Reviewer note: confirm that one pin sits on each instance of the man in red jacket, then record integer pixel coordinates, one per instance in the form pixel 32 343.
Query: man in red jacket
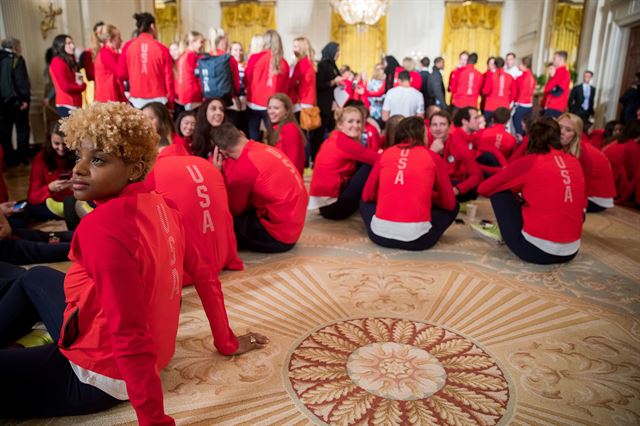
pixel 267 196
pixel 556 91
pixel 525 86
pixel 463 170
pixel 467 83
pixel 498 89
pixel 462 62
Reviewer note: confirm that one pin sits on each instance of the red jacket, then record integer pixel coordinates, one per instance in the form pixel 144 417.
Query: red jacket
pixel 598 175
pixel 262 178
pixel 123 294
pixel 520 150
pixel 260 83
pixel 188 86
pixel 616 153
pixel 41 177
pixel 466 87
pixel 373 137
pixel 499 89
pixel 197 189
pixel 405 181
pixel 553 189
pixel 556 91
pixel 596 138
pixel 68 92
pixel 461 164
pixel 302 86
pixel 414 76
pixel 108 85
pixel 336 163
pixel 498 136
pixel 525 87
pixel 149 68
pixel 291 142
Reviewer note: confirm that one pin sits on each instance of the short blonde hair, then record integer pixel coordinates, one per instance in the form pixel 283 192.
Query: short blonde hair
pixel 115 128
pixel 576 122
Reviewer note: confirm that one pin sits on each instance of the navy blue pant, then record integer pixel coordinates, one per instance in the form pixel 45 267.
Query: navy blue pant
pixel 594 208
pixel 255 117
pixel 552 113
pixel 487 159
pixel 440 220
pixel 518 115
pixel 349 198
pixel 24 252
pixel 508 211
pixel 63 111
pixel 13 116
pixel 251 235
pixel 39 382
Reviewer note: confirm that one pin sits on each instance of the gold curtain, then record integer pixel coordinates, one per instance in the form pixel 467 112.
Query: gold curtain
pixel 167 21
pixel 472 27
pixel 567 22
pixel 242 20
pixel 361 46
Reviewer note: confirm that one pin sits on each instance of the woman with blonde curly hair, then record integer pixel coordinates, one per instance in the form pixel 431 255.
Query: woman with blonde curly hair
pixel 114 317
pixel 598 174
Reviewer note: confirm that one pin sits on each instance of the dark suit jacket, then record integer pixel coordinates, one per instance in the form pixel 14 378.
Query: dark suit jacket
pixel 576 98
pixel 435 89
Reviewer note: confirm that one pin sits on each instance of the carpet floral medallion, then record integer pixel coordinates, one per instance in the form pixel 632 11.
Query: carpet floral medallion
pixel 395 371
pixel 462 334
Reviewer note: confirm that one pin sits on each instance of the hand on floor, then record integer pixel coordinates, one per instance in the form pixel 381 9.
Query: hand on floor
pixel 251 341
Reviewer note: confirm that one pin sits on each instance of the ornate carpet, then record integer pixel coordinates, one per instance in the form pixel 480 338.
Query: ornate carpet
pixel 463 334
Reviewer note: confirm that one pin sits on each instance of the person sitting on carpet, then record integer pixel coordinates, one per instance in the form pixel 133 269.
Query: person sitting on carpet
pixel 267 197
pixel 115 314
pixel 543 225
pixel 408 200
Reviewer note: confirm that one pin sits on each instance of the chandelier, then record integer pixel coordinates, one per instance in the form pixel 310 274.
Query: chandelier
pixel 358 12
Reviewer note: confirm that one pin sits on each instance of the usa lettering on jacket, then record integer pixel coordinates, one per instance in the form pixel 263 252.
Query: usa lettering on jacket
pixel 402 164
pixel 144 58
pixel 203 195
pixel 566 178
pixel 278 154
pixel 171 242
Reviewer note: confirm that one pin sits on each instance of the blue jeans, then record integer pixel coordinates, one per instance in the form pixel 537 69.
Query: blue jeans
pixel 518 115
pixel 255 117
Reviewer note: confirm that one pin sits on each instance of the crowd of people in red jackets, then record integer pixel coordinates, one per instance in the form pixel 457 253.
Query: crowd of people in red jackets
pixel 182 161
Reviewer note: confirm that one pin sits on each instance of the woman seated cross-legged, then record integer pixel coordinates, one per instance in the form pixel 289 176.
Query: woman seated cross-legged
pixel 408 201
pixel 341 168
pixel 538 200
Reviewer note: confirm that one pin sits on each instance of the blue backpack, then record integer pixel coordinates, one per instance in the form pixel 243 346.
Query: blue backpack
pixel 215 75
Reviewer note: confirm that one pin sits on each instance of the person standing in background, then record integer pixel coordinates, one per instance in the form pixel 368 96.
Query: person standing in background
pixel 15 97
pixel 511 67
pixel 64 74
pixel 435 85
pixel 327 78
pixel 424 75
pixel 630 101
pixel 105 65
pixel 466 84
pixel 582 97
pixel 556 91
pixel 148 65
pixel 525 86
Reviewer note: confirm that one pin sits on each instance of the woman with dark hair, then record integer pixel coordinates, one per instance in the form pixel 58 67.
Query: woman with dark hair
pixel 161 119
pixel 390 66
pixel 185 127
pixel 544 224
pixel 408 200
pixel 211 114
pixel 50 178
pixel 65 77
pixel 284 132
pixel 624 156
pixel 327 78
pixel 147 65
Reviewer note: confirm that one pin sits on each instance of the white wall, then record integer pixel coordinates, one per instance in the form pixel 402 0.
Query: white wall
pixel 415 26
